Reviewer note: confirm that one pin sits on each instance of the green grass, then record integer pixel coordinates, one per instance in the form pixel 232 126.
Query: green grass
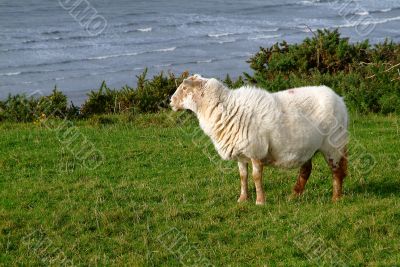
pixel 158 200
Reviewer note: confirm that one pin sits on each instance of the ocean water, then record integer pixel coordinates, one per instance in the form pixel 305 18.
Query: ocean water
pixel 44 43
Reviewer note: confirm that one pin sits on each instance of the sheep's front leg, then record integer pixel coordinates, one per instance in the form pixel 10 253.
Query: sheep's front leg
pixel 243 181
pixel 257 177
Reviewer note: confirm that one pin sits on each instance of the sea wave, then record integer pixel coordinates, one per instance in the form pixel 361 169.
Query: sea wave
pixel 53 32
pixel 227 41
pixel 10 73
pixel 141 13
pixel 113 56
pixel 198 22
pixel 361 13
pixel 205 61
pixel 169 49
pixel 270 30
pixel 135 23
pixel 381 21
pixel 145 29
pixel 217 35
pixel 386 10
pixel 162 65
pixel 262 37
pixel 367 23
pixel 44 48
pixel 308 2
pixel 268 6
pixel 32 72
pixel 31 41
pixel 364 12
pixel 119 25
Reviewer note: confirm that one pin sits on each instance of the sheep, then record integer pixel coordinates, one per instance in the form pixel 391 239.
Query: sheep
pixel 283 129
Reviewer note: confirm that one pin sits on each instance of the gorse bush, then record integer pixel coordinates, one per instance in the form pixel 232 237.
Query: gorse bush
pixel 326 52
pixel 21 108
pixel 368 76
pixel 153 95
pixel 233 84
pixel 17 108
pixel 149 96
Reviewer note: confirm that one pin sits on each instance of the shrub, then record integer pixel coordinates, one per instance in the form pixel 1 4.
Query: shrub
pixel 149 96
pixel 367 76
pixel 18 108
pixel 153 95
pixel 233 84
pixel 21 108
pixel 100 102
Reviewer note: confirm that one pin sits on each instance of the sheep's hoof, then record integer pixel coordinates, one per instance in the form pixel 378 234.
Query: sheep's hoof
pixel 336 198
pixel 294 195
pixel 260 202
pixel 242 198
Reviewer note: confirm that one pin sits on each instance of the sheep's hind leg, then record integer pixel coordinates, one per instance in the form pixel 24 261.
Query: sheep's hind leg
pixel 243 181
pixel 257 177
pixel 302 179
pixel 339 171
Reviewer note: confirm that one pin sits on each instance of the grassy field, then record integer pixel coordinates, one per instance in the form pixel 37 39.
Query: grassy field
pixel 154 193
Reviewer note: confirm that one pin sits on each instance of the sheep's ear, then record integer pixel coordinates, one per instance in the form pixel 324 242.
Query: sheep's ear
pixel 195 82
pixel 194 77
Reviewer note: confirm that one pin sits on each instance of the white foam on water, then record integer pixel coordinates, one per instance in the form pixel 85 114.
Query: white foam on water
pixel 262 37
pixel 169 49
pixel 308 3
pixel 145 29
pixel 217 35
pixel 362 13
pixel 385 10
pixel 366 22
pixel 163 65
pixel 271 30
pixel 113 56
pixel 204 61
pixel 10 73
pixel 381 21
pixel 227 41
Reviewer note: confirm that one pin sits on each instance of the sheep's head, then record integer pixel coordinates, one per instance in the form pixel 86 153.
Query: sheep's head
pixel 189 93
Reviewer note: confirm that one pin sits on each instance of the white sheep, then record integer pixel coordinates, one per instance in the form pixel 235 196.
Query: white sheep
pixel 283 129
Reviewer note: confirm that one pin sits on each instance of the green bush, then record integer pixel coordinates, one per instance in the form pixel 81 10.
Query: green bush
pixel 18 108
pixel 153 95
pixel 21 108
pixel 367 76
pixel 233 84
pixel 148 96
pixel 100 102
